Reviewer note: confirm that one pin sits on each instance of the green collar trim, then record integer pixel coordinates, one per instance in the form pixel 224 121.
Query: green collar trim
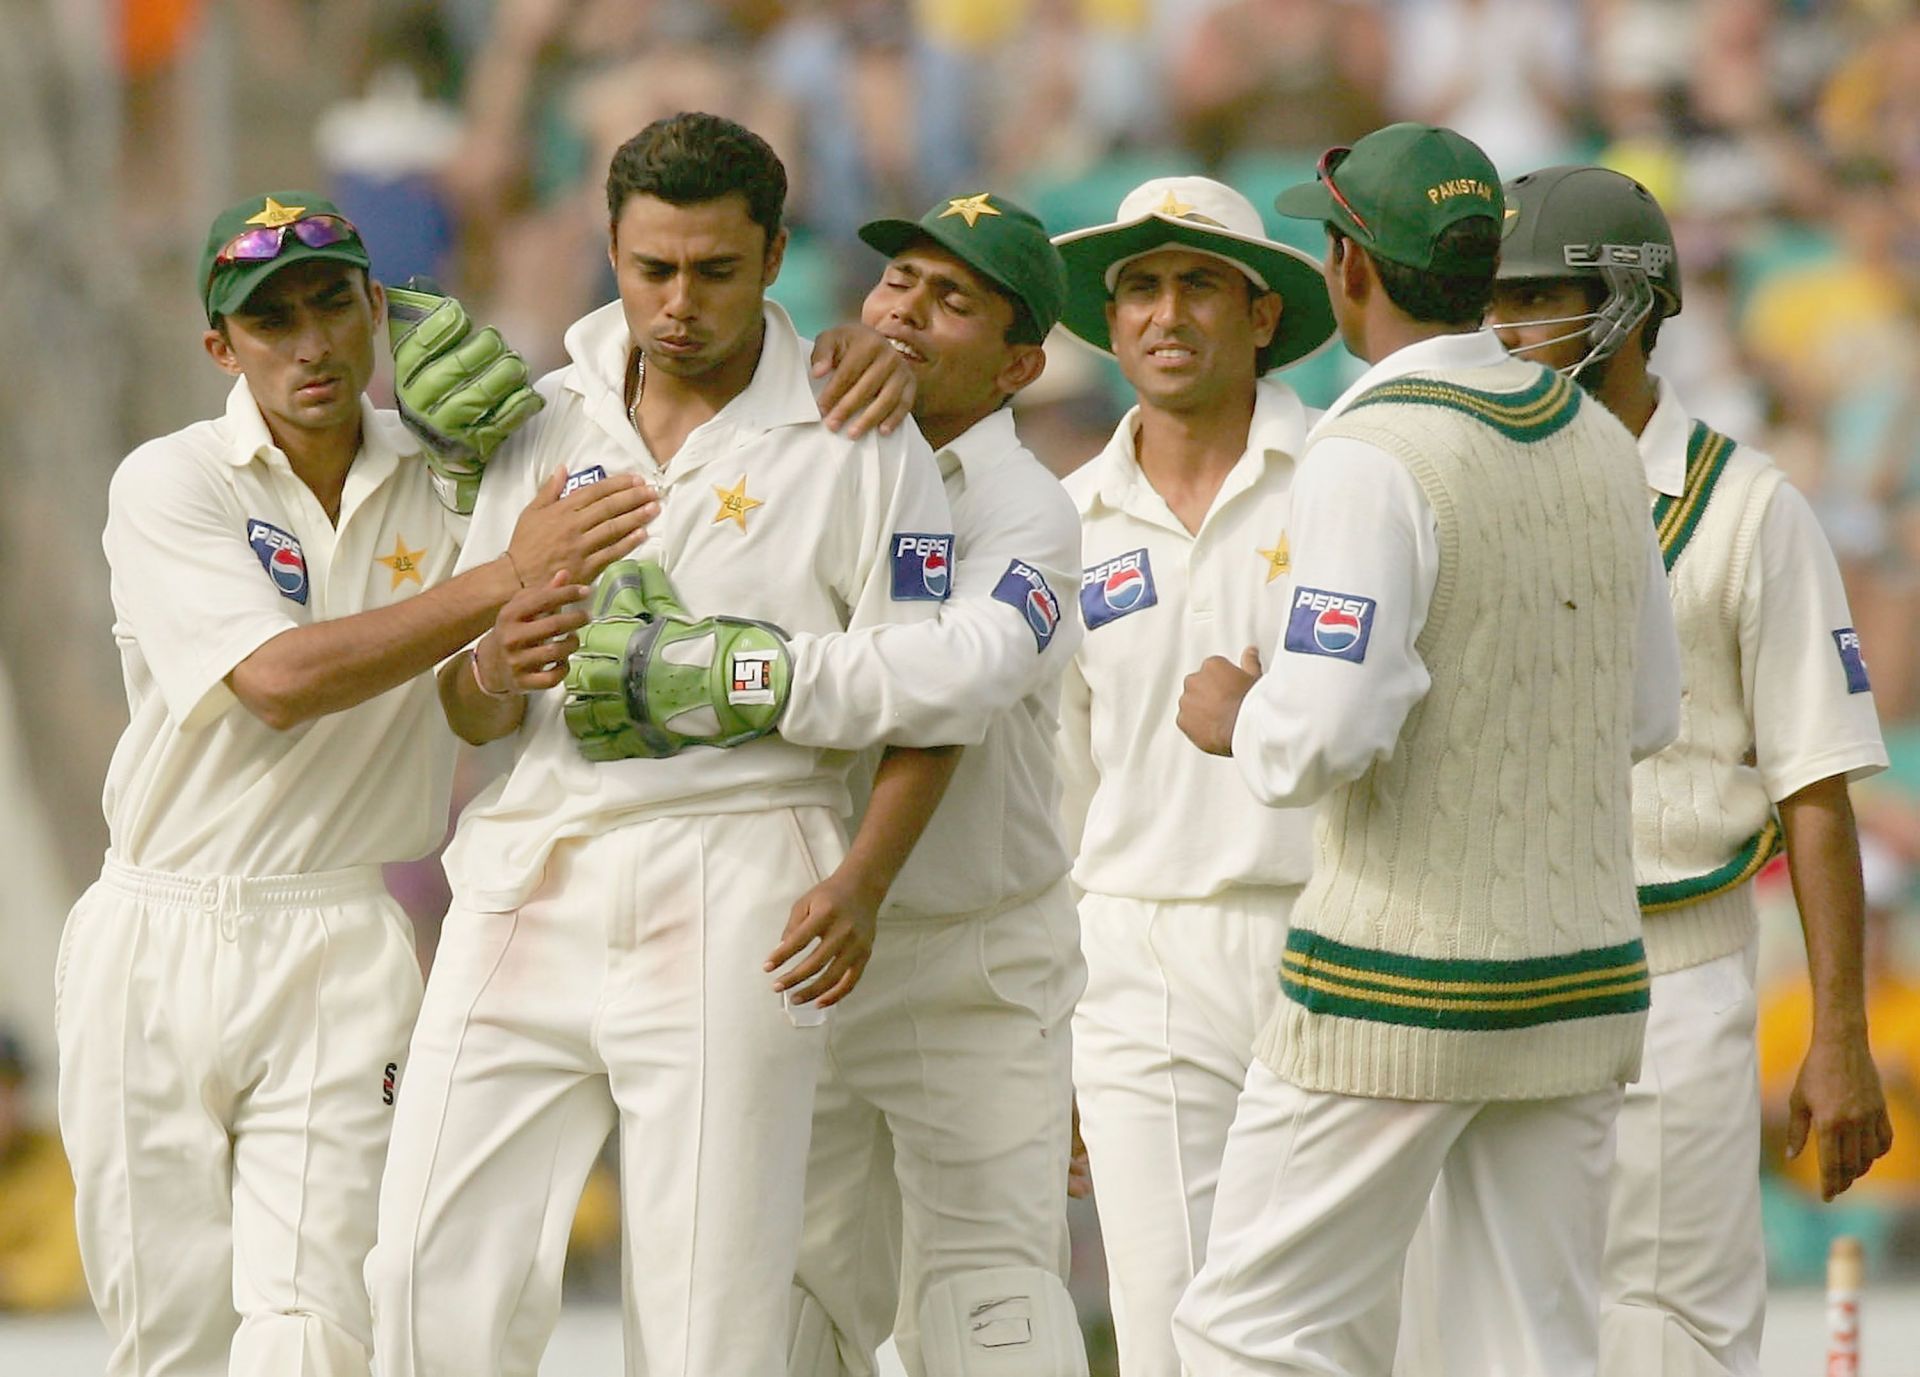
pixel 1533 413
pixel 1675 519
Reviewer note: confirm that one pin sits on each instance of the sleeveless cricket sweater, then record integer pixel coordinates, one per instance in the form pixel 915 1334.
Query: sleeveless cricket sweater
pixel 1702 821
pixel 1470 931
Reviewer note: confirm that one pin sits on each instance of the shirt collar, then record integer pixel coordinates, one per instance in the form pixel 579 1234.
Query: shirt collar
pixel 981 448
pixel 1473 349
pixel 384 439
pixel 780 393
pixel 1663 444
pixel 1277 433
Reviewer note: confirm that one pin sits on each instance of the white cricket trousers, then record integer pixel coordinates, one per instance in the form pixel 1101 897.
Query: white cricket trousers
pixel 628 988
pixel 1319 1198
pixel 1684 1290
pixel 1176 993
pixel 229 1049
pixel 942 1123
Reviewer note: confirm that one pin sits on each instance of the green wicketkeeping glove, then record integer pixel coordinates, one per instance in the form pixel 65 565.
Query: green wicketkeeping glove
pixel 461 391
pixel 650 679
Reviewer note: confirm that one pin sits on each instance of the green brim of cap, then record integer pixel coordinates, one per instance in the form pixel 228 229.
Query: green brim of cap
pixel 233 284
pixel 1309 201
pixel 892 236
pixel 1306 320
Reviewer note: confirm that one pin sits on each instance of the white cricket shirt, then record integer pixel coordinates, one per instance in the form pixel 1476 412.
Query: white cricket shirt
pixel 1811 710
pixel 986 673
pixel 1313 721
pixel 1153 817
pixel 765 513
pixel 215 547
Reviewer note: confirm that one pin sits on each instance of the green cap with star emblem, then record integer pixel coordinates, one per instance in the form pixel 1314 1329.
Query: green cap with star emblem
pixel 1003 242
pixel 1397 190
pixel 253 239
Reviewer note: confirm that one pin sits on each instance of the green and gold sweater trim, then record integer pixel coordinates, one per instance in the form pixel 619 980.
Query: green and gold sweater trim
pixel 1473 995
pixel 1675 519
pixel 1761 848
pixel 1531 414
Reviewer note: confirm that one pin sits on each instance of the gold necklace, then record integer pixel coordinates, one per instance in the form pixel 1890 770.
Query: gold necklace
pixel 639 385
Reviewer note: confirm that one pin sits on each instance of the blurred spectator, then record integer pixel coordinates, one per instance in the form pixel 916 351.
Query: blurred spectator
pixel 1883 1208
pixel 39 1249
pixel 1506 73
pixel 1280 76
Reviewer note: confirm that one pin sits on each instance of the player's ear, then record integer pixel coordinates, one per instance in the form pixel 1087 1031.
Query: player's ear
pixel 219 346
pixel 1025 364
pixel 776 254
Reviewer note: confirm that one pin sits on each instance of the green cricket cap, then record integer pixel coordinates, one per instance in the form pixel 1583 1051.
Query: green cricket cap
pixel 1403 186
pixel 250 228
pixel 1003 242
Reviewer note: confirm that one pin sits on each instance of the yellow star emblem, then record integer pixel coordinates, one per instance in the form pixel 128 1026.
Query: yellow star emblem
pixel 969 208
pixel 734 503
pixel 1511 212
pixel 1174 206
pixel 404 563
pixel 273 214
pixel 1278 560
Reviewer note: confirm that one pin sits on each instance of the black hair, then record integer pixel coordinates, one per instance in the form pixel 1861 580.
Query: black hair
pixel 692 157
pixel 1445 298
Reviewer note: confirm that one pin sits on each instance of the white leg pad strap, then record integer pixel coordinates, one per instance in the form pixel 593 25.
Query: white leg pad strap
pixel 1001 1322
pixel 813 1347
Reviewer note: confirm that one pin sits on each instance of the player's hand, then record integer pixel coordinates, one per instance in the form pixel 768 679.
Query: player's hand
pixel 461 391
pixel 1210 702
pixel 870 385
pixel 1837 1101
pixel 582 532
pixel 1079 1168
pixel 839 915
pixel 532 636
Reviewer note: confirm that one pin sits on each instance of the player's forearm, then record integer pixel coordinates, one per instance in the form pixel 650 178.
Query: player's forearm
pixel 334 665
pixel 475 715
pixel 907 788
pixel 1823 852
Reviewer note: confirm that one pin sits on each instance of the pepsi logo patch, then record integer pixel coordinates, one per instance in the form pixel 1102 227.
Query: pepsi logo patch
pixel 576 481
pixel 922 566
pixel 1847 641
pixel 281 557
pixel 1337 625
pixel 1024 588
pixel 1115 587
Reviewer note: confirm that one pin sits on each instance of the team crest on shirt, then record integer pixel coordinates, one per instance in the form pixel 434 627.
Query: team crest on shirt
pixel 1337 625
pixel 1115 587
pixel 1025 589
pixel 281 556
pixel 576 481
pixel 922 566
pixel 1847 641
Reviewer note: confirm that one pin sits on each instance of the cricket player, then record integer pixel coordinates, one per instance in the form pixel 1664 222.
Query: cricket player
pixel 1476 649
pixel 1777 719
pixel 1186 882
pixel 617 898
pixel 232 998
pixel 941 1124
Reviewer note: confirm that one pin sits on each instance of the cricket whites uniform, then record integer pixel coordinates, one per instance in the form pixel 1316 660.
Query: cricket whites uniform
pixel 1186 881
pixel 1776 699
pixel 941 1124
pixel 602 959
pixel 233 996
pixel 1476 649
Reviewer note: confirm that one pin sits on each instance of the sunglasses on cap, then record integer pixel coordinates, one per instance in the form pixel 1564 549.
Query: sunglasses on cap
pixel 263 244
pixel 1329 160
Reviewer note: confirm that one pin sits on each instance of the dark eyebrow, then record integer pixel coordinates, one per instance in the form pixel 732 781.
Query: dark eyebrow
pixel 654 265
pixel 944 284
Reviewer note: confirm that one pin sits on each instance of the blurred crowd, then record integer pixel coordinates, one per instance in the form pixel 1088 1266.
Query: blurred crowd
pixel 469 138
